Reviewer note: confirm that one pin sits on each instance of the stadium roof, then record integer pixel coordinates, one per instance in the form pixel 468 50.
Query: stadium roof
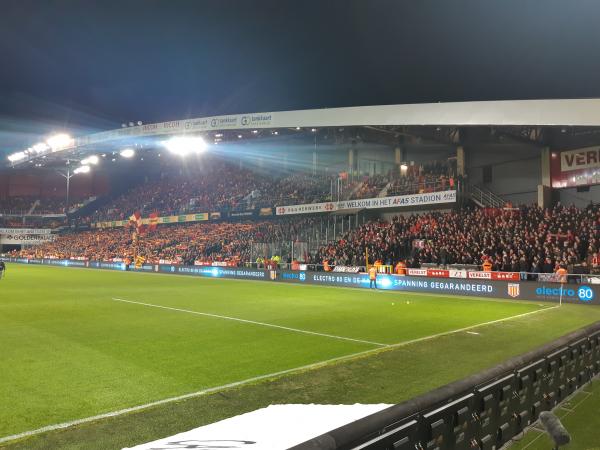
pixel 506 113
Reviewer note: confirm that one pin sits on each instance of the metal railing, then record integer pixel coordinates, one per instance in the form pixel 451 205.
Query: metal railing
pixel 416 188
pixel 484 197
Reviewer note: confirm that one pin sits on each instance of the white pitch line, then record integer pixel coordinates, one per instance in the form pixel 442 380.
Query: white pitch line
pixel 306 367
pixel 460 330
pixel 253 322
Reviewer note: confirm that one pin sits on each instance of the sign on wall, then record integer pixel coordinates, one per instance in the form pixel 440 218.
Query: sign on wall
pixel 399 201
pixel 25 236
pixel 572 168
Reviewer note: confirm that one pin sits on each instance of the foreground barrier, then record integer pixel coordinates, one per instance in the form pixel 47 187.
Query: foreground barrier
pixel 484 411
pixel 476 287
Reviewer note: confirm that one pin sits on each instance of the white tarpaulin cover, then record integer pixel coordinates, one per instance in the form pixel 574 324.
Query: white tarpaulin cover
pixel 277 427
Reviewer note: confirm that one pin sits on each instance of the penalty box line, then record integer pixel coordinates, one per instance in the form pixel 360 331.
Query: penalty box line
pixel 253 322
pixel 312 366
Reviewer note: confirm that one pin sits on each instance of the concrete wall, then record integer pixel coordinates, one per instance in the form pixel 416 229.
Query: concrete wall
pixel 570 196
pixel 422 154
pixel 516 170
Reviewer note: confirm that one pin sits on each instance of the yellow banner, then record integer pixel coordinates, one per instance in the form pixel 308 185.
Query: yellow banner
pixel 184 218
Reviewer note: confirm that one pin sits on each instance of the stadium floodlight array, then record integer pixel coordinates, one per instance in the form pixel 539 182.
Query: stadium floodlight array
pixel 184 145
pixel 59 142
pixel 17 156
pixel 40 147
pixel 54 143
pixel 127 153
pixel 82 169
pixel 90 160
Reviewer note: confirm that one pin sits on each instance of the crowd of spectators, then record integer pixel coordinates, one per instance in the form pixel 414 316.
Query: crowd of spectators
pixel 184 244
pixel 32 222
pixel 419 184
pixel 16 204
pixel 371 186
pixel 51 205
pixel 217 186
pixel 299 188
pixel 526 239
pixel 220 185
pixel 25 205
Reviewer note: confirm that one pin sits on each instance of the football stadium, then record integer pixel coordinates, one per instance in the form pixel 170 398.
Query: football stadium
pixel 402 276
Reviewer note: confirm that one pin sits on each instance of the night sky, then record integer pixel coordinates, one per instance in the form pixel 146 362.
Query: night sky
pixel 91 65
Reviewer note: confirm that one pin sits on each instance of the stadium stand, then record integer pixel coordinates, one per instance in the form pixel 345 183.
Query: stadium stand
pixel 223 186
pixel 525 239
pixel 218 186
pixel 180 244
pixel 15 204
pixel 528 239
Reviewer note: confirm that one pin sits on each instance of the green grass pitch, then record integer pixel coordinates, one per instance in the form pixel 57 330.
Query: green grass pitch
pixel 76 343
pixel 580 417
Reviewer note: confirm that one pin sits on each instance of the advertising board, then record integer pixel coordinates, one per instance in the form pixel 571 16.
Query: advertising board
pixel 398 201
pixel 491 288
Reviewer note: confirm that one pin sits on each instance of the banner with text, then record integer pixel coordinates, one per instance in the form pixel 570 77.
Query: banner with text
pixel 399 201
pixel 572 168
pixel 183 218
pixel 25 236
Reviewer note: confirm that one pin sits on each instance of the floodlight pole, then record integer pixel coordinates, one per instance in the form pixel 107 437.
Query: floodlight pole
pixel 68 189
pixel 67 175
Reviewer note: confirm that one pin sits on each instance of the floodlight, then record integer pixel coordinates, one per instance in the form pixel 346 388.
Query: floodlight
pixel 127 153
pixel 82 169
pixel 40 147
pixel 17 156
pixel 90 160
pixel 183 145
pixel 254 131
pixel 59 142
pixel 313 130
